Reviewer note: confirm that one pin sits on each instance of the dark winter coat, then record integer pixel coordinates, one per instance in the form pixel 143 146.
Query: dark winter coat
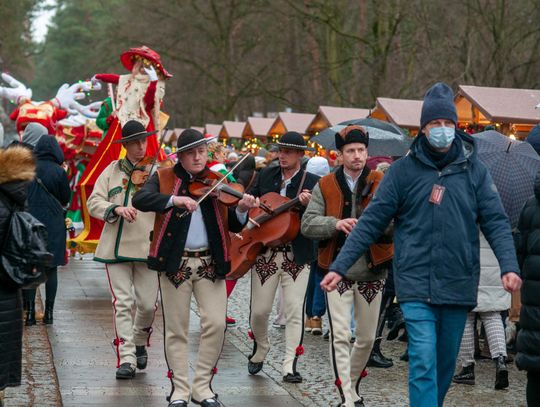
pixel 16 171
pixel 437 253
pixel 44 207
pixel 528 247
pixel 269 180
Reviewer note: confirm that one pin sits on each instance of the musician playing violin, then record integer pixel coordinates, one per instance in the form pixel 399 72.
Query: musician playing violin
pixel 190 251
pixel 284 265
pixel 123 247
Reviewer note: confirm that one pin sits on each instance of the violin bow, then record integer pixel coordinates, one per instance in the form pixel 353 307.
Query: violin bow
pixel 217 184
pixel 153 164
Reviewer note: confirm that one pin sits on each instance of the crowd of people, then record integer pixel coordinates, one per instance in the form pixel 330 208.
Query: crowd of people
pixel 421 244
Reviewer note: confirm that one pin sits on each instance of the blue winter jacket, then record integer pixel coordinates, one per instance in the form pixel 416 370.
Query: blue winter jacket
pixel 437 255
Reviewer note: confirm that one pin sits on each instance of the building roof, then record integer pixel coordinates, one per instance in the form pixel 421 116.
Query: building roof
pixel 232 129
pixel 291 122
pixel 213 129
pixel 498 105
pixel 199 129
pixel 328 116
pixel 402 112
pixel 257 127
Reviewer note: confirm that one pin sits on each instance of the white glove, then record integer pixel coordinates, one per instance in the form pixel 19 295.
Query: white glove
pixel 16 92
pixel 151 73
pixel 67 96
pixel 90 111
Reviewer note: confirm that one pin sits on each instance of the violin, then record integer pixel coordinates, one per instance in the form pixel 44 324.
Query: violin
pixel 227 194
pixel 145 167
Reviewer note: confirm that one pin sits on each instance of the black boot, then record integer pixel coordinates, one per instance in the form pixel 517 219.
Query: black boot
pixel 142 356
pixel 405 356
pixel 398 324
pixel 377 359
pixel 48 316
pixel 30 313
pixel 501 373
pixel 466 376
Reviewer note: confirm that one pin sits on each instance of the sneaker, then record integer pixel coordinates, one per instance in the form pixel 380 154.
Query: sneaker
pixel 308 325
pixel 326 335
pixel 316 326
pixel 230 321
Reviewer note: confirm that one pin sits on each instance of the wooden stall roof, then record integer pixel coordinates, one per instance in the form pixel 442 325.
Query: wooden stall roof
pixel 402 112
pixel 232 129
pixel 172 136
pixel 257 127
pixel 498 105
pixel 213 129
pixel 199 129
pixel 328 116
pixel 291 122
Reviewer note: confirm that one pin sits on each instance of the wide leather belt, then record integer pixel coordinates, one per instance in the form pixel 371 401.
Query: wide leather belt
pixel 196 253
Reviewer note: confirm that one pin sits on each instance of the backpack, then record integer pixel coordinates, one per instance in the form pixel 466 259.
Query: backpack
pixel 24 258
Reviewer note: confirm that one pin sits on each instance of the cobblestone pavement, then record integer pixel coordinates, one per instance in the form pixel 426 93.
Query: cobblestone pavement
pixel 84 360
pixel 382 387
pixel 39 386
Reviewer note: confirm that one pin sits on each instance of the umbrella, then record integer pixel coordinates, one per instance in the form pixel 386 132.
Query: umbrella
pixel 381 142
pixel 374 123
pixel 513 166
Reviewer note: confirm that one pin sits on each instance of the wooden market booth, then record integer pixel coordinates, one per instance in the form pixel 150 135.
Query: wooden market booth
pixel 404 113
pixel 213 129
pixel 286 121
pixel 231 133
pixel 328 116
pixel 255 133
pixel 511 111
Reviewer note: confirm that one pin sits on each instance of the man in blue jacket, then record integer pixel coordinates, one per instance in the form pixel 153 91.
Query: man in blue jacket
pixel 438 196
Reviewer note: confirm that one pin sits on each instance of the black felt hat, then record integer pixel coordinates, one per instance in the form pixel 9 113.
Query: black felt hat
pixel 293 140
pixel 134 130
pixel 191 138
pixel 351 134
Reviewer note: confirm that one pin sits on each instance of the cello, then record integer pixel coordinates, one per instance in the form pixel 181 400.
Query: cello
pixel 273 224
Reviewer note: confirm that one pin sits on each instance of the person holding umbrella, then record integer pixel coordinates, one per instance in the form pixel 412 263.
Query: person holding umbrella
pixel 438 196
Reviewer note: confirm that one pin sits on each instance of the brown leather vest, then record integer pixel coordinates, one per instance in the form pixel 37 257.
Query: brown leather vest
pixel 169 184
pixel 379 253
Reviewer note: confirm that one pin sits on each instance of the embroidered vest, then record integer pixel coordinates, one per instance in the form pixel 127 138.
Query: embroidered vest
pixel 380 254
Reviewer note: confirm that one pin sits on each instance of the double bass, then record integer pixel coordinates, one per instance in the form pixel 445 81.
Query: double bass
pixel 273 224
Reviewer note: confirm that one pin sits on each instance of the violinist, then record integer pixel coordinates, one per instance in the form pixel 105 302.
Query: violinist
pixel 284 265
pixel 190 251
pixel 122 247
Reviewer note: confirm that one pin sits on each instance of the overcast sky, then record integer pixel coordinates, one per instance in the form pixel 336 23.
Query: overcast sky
pixel 41 22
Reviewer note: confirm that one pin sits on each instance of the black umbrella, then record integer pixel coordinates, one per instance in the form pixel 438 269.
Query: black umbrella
pixel 381 142
pixel 513 165
pixel 374 123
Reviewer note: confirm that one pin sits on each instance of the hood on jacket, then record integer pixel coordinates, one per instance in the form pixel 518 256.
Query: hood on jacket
pixel 16 164
pixel 33 132
pixel 48 149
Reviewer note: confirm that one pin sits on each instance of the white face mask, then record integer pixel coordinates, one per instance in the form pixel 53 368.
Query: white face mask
pixel 441 137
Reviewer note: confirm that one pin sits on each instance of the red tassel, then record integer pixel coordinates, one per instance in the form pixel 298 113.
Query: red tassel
pixel 170 374
pixel 251 336
pixel 364 373
pixel 214 371
pixel 299 350
pixel 338 382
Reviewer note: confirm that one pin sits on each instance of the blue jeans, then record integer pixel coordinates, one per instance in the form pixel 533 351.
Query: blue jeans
pixel 434 339
pixel 315 300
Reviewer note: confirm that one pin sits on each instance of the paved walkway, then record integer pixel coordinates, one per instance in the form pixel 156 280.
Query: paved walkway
pixel 84 361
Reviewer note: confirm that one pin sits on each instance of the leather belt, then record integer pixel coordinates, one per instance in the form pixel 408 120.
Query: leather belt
pixel 196 253
pixel 283 248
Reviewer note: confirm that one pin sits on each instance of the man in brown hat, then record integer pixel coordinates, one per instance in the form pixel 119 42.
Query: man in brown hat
pixel 123 247
pixel 190 250
pixel 284 265
pixel 337 201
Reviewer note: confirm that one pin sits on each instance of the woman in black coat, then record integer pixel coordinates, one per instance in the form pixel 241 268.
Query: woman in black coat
pixel 47 195
pixel 16 171
pixel 528 339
